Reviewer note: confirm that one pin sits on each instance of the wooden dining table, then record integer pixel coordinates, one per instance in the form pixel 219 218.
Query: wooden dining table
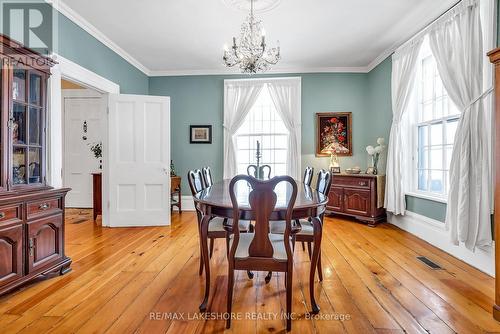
pixel 215 201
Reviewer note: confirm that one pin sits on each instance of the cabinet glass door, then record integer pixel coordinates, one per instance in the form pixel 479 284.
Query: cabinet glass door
pixel 26 125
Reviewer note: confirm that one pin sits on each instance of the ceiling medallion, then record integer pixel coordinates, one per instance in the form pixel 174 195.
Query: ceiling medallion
pixel 251 53
pixel 259 6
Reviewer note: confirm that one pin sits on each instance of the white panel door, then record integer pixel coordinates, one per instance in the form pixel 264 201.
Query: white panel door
pixel 138 173
pixel 79 161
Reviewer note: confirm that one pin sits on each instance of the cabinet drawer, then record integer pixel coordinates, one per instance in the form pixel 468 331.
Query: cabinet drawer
pixel 10 214
pixel 44 207
pixel 358 182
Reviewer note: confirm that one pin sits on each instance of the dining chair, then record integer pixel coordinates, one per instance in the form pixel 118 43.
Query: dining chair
pixel 216 225
pixel 253 170
pixel 308 176
pixel 261 250
pixel 207 176
pixel 304 227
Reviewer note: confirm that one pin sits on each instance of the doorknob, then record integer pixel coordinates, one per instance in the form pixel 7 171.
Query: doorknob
pixel 166 170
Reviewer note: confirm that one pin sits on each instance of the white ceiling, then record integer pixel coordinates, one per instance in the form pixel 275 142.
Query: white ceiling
pixel 169 37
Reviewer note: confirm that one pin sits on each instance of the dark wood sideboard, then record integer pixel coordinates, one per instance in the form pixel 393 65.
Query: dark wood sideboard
pixel 31 212
pixel 355 195
pixel 96 194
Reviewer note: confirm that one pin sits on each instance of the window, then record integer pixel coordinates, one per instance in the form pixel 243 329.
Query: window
pixel 263 124
pixel 434 128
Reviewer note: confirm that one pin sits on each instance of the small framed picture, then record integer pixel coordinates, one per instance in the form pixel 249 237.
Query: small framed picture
pixel 200 134
pixel 335 170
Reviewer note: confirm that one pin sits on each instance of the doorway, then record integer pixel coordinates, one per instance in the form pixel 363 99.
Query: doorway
pixel 84 111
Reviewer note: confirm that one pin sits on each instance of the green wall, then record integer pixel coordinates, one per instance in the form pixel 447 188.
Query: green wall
pixel 199 100
pixel 77 45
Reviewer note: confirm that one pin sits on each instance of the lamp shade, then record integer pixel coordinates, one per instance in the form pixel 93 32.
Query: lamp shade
pixel 335 147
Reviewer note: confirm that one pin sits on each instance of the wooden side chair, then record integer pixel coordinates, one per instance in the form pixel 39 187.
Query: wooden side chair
pixel 261 250
pixel 308 176
pixel 207 176
pixel 252 170
pixel 216 225
pixel 306 233
pixel 304 227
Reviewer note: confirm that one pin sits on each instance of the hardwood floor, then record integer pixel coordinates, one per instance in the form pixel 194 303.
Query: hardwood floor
pixel 145 280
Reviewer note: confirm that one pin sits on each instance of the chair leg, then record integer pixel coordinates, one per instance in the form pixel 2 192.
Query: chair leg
pixel 303 246
pixel 289 289
pixel 268 277
pixel 211 246
pixel 309 251
pixel 230 284
pixel 227 245
pixel 250 274
pixel 320 269
pixel 200 271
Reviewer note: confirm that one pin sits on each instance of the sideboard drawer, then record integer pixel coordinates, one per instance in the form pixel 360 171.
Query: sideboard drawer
pixel 10 214
pixel 44 207
pixel 358 182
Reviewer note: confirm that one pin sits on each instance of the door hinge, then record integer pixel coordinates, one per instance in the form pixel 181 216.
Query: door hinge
pixel 107 110
pixel 109 204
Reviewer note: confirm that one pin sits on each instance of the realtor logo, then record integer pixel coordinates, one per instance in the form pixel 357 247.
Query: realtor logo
pixel 28 22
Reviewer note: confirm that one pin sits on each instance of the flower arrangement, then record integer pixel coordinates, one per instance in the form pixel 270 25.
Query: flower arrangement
pixel 334 132
pixel 374 152
pixel 96 148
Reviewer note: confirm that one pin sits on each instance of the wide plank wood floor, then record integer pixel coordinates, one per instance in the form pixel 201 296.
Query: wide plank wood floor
pixel 145 280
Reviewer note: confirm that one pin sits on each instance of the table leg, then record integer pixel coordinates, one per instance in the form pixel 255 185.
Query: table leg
pixel 318 230
pixel 206 261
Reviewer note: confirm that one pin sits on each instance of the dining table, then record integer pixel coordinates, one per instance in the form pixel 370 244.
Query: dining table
pixel 216 201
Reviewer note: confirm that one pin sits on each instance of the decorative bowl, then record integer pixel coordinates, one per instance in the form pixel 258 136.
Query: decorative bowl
pixel 353 170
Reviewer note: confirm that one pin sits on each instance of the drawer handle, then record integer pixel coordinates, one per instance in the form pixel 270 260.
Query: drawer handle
pixel 44 206
pixel 363 184
pixel 31 247
pixel 2 215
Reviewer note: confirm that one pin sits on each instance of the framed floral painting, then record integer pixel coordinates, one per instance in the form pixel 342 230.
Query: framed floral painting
pixel 333 127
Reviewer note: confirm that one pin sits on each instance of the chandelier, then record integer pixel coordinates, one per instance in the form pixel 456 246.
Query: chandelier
pixel 251 54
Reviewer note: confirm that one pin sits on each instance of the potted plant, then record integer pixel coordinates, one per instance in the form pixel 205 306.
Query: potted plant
pixel 96 149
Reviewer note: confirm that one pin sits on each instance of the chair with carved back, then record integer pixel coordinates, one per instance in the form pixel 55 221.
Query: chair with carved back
pixel 306 233
pixel 207 176
pixel 253 170
pixel 261 250
pixel 308 176
pixel 303 230
pixel 216 227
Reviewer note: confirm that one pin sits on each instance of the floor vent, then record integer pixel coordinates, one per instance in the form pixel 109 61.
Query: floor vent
pixel 429 263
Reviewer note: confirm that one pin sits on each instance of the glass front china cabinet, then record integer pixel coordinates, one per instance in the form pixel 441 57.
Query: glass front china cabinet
pixel 31 212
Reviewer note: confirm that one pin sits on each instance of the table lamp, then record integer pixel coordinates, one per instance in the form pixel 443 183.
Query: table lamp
pixel 334 149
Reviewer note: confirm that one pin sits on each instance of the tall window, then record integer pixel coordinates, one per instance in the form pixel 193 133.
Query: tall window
pixel 434 128
pixel 263 124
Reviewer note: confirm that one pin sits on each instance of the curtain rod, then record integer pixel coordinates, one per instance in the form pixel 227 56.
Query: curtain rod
pixel 424 29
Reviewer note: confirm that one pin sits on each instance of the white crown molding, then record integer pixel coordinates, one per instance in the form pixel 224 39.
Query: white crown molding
pixel 288 70
pixel 64 9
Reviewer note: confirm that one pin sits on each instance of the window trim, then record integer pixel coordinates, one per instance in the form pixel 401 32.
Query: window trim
pixel 414 124
pixel 250 135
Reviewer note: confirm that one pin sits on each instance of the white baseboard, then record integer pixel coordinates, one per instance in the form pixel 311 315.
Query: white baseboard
pixel 434 232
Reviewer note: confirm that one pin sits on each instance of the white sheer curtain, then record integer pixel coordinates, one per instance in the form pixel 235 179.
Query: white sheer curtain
pixel 239 97
pixel 456 42
pixel 403 80
pixel 285 94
